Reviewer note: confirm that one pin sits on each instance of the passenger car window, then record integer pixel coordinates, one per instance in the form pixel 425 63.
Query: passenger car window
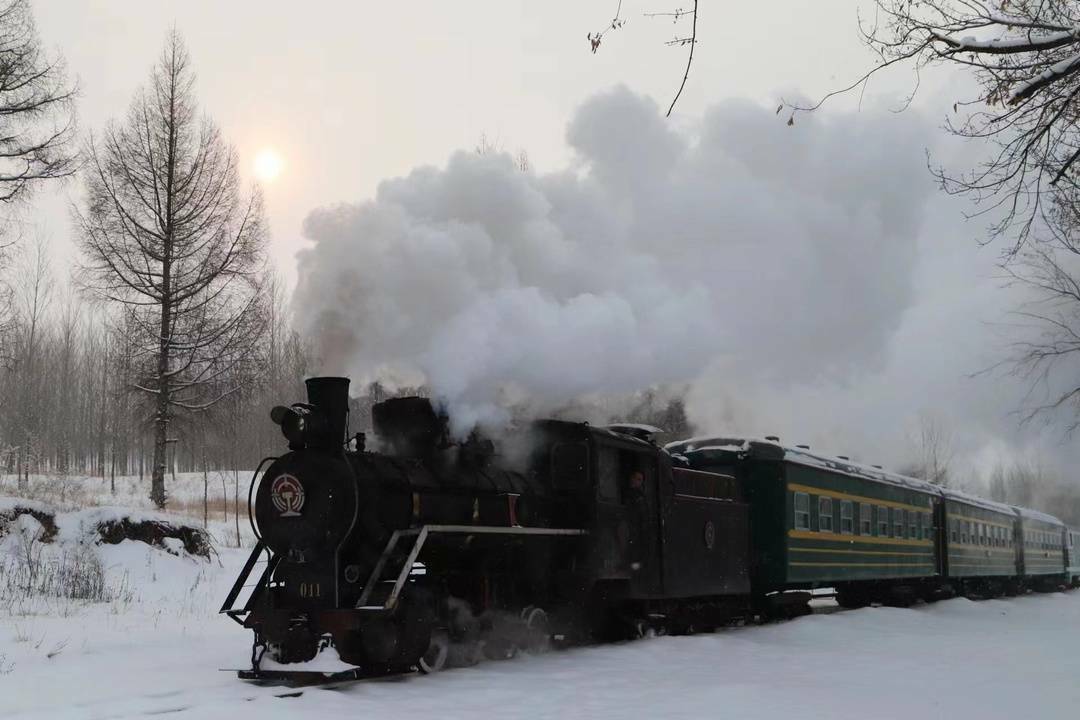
pixel 913 527
pixel 802 511
pixel 882 521
pixel 825 523
pixel 898 523
pixel 866 524
pixel 847 515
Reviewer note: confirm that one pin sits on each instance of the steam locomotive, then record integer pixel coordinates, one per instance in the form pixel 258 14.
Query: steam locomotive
pixel 425 551
pixel 424 548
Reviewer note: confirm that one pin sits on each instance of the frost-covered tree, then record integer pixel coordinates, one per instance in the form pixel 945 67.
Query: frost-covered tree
pixel 167 232
pixel 1025 57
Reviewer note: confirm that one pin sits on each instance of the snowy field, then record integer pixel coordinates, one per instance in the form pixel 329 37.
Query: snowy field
pixel 159 648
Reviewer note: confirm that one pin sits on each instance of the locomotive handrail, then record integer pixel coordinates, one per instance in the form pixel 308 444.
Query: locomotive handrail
pixel 253 558
pixel 422 533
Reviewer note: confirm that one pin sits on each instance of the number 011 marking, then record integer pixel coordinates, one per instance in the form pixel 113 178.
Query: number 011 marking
pixel 310 590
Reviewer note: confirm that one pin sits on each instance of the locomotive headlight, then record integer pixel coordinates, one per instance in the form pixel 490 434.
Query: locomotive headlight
pixel 291 422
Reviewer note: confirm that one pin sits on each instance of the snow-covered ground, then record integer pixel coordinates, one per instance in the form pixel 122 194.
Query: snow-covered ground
pixel 160 647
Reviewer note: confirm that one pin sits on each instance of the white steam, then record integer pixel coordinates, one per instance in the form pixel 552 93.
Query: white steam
pixel 773 252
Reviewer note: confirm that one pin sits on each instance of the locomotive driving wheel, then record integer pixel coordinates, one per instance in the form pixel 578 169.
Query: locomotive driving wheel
pixel 437 654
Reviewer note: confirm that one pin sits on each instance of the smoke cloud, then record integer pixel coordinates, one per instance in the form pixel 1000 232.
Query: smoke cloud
pixel 736 246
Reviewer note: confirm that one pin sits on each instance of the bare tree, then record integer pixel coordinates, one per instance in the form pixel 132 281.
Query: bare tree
pixel 1020 482
pixel 37 121
pixel 167 232
pixel 37 126
pixel 687 39
pixel 34 289
pixel 7 306
pixel 932 441
pixel 1025 57
pixel 1047 353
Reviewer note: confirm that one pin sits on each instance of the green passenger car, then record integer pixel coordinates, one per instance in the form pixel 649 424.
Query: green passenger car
pixel 843 523
pixel 875 536
pixel 819 521
pixel 1043 552
pixel 981 538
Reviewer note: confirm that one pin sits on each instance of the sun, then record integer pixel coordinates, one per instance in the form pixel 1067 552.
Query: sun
pixel 268 165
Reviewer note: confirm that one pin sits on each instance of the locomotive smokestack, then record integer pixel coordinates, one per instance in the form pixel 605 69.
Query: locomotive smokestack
pixel 330 396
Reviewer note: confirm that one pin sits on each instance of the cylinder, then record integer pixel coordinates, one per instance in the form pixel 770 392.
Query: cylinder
pixel 330 396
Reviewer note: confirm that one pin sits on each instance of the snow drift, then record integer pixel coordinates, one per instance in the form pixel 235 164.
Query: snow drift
pixel 99 525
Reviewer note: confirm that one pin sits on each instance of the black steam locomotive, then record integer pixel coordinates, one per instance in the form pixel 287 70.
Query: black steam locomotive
pixel 425 551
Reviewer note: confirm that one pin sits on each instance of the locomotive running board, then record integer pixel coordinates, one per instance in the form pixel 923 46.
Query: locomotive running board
pixel 421 535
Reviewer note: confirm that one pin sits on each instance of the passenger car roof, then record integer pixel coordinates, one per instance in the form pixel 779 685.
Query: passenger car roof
pixel 1029 514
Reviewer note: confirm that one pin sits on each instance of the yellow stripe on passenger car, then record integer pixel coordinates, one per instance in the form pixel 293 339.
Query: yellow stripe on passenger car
pixel 964 549
pixel 857 552
pixel 861 565
pixel 837 537
pixel 855 498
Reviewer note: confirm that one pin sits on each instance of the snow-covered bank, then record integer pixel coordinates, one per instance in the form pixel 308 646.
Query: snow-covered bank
pixel 190 495
pixel 163 650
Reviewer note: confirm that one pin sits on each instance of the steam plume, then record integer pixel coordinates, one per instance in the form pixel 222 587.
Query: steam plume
pixel 781 254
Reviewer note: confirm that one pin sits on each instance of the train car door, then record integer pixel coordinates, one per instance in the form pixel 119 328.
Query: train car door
pixel 643 503
pixel 628 510
pixel 941 537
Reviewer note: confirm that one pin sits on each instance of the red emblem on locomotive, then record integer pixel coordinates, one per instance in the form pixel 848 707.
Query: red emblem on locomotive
pixel 287 494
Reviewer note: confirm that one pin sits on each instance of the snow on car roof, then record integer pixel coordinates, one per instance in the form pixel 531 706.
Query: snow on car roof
pixel 734 443
pixel 867 472
pixel 802 456
pixel 710 442
pixel 959 496
pixel 1037 515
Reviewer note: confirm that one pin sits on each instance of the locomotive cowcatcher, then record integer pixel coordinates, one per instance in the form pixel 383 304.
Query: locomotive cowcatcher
pixel 426 550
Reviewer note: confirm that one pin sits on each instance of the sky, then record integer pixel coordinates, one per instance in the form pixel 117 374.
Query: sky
pixel 815 284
